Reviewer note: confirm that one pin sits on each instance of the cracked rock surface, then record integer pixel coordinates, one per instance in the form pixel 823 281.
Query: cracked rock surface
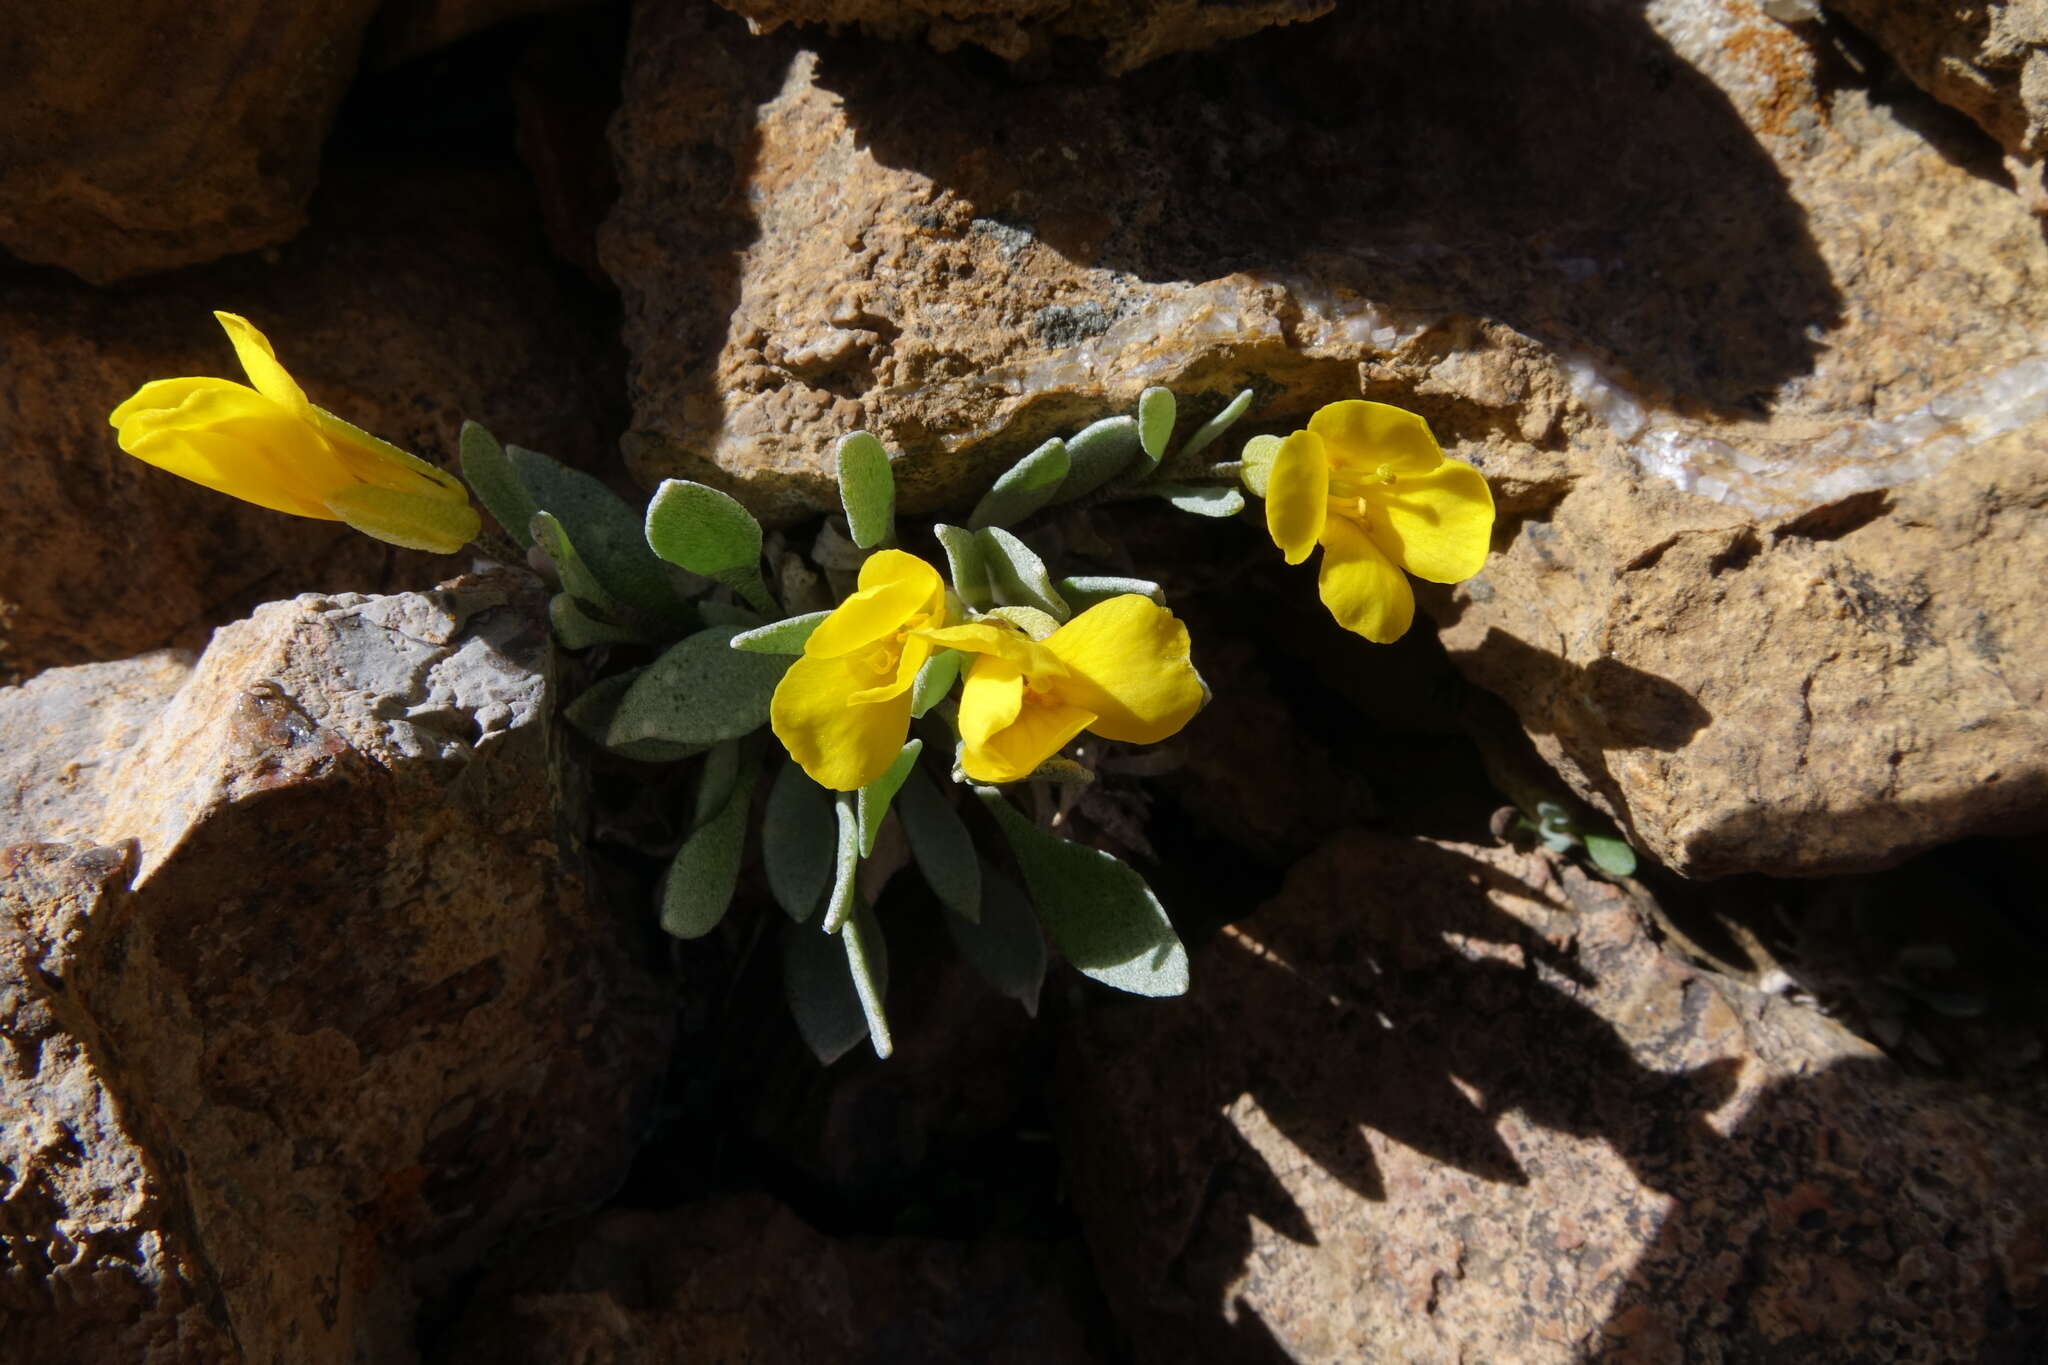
pixel 1759 387
pixel 306 1000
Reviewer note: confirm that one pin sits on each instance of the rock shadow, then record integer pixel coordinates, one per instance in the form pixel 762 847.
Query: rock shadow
pixel 1559 168
pixel 1385 999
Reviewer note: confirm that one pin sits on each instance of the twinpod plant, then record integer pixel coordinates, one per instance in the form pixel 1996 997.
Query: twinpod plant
pixel 858 707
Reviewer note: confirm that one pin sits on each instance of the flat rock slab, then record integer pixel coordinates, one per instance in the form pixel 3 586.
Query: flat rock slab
pixel 306 1000
pixel 1445 1102
pixel 1759 387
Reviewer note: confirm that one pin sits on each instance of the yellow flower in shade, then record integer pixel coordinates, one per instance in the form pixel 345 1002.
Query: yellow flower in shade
pixel 1120 670
pixel 843 709
pixel 269 446
pixel 1370 483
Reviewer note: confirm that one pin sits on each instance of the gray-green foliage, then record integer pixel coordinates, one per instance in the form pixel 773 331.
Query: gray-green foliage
pixel 1156 411
pixel 940 845
pixel 489 473
pixel 1024 487
pixel 867 490
pixel 1203 501
pixel 1097 454
pixel 799 843
pixel 819 988
pixel 707 532
pixel 780 637
pixel 1005 945
pixel 608 535
pixel 1206 433
pixel 1100 912
pixel 699 691
pixel 867 962
pixel 576 628
pixel 1089 590
pixel 699 884
pixel 875 797
pixel 1017 576
pixel 966 567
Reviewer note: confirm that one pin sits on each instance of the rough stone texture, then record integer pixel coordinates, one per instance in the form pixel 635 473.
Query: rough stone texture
pixel 1691 361
pixel 355 1018
pixel 418 299
pixel 1443 1102
pixel 1132 32
pixel 745 1279
pixel 145 137
pixel 1988 58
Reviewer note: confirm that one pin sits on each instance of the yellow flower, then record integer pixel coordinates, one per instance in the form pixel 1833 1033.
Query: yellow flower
pixel 843 709
pixel 1370 483
pixel 269 446
pixel 1120 669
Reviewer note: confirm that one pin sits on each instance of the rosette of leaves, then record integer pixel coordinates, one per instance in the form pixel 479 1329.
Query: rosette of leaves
pixel 682 587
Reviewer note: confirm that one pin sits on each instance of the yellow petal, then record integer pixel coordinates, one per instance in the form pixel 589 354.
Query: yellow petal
pixel 1363 435
pixel 841 745
pixel 907 659
pixel 1297 494
pixel 893 588
pixel 235 441
pixel 408 519
pixel 259 362
pixel 990 698
pixel 1002 642
pixel 1016 751
pixel 1436 525
pixel 1127 660
pixel 1362 587
pixel 162 395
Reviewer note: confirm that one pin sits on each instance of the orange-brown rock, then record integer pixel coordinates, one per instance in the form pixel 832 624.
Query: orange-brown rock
pixel 417 300
pixel 1443 1101
pixel 143 137
pixel 306 1000
pixel 745 1279
pixel 1757 386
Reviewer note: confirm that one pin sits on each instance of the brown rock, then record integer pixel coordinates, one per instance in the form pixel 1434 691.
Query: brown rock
pixel 1448 1102
pixel 355 1014
pixel 745 1279
pixel 1988 58
pixel 406 29
pixel 1690 361
pixel 1132 32
pixel 417 300
pixel 143 138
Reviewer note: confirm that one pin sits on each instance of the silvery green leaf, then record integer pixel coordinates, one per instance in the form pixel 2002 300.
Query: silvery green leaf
pixel 1202 502
pixel 818 985
pixel 1085 591
pixel 876 796
pixel 1156 411
pixel 1258 463
pixel 1099 912
pixel 1006 946
pixel 1217 425
pixel 867 489
pixel 607 533
pixel 867 961
pixel 698 528
pixel 799 841
pixel 966 566
pixel 576 628
pixel 1018 575
pixel 698 887
pixel 716 778
pixel 940 845
pixel 1098 454
pixel 1024 487
pixel 591 715
pixel 1612 856
pixel 489 474
pixel 699 692
pixel 551 538
pixel 780 637
pixel 845 862
pixel 934 681
pixel 1035 624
